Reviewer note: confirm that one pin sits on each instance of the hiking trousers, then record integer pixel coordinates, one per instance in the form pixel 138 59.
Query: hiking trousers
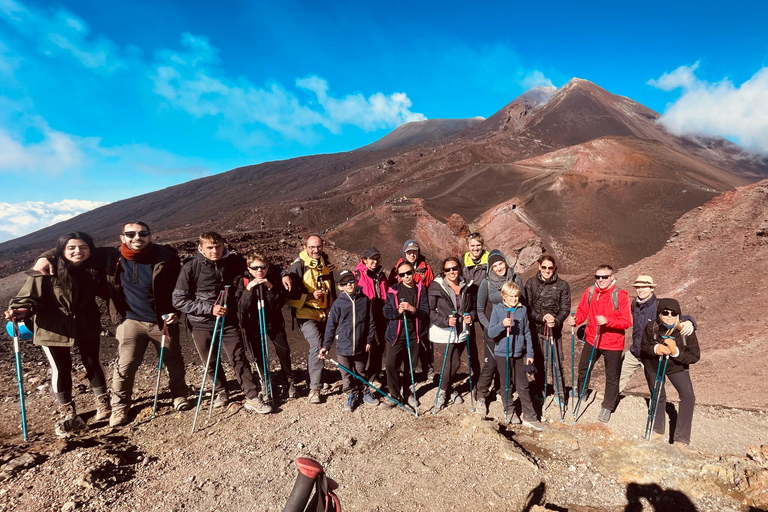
pixel 133 337
pixel 356 363
pixel 232 346
pixel 682 383
pixel 397 357
pixel 520 381
pixel 629 366
pixel 612 360
pixel 282 349
pixel 60 359
pixel 313 332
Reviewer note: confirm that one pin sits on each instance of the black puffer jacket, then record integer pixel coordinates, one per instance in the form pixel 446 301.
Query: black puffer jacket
pixel 553 297
pixel 199 284
pixel 274 300
pixel 688 346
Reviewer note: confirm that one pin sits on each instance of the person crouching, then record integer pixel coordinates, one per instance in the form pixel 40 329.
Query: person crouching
pixel 350 323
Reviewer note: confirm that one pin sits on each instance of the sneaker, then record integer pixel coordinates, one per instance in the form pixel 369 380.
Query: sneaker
pixel 256 405
pixel 376 381
pixel 181 403
pixel 291 390
pixel 369 399
pixel 69 423
pixel 103 407
pixel 480 407
pixel 440 400
pixel 221 400
pixel 604 415
pixel 514 419
pixel 314 396
pixel 387 404
pixel 431 375
pixel 456 398
pixel 118 417
pixel 534 424
pixel 413 402
pixel 655 436
pixel 351 400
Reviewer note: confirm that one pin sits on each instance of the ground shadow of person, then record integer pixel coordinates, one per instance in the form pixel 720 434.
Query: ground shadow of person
pixel 661 500
pixel 535 497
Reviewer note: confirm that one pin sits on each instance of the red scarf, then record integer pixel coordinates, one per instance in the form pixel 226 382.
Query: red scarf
pixel 141 256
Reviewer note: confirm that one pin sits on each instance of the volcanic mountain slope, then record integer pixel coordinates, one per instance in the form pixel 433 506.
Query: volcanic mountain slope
pixel 420 132
pixel 715 263
pixel 586 199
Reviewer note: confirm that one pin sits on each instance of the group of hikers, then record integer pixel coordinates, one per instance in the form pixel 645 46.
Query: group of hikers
pixel 383 327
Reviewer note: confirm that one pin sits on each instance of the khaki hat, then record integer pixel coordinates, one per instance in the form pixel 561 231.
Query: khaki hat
pixel 644 281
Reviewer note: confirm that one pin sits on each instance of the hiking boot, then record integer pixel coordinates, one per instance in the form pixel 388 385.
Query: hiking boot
pixel 369 399
pixel 181 403
pixel 387 404
pixel 118 417
pixel 221 400
pixel 103 407
pixel 351 401
pixel 413 402
pixel 256 405
pixel 534 424
pixel 440 400
pixel 456 398
pixel 314 396
pixel 69 423
pixel 431 375
pixel 291 390
pixel 514 419
pixel 480 407
pixel 604 415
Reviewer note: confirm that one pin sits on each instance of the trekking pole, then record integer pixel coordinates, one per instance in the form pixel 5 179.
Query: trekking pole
pixel 469 371
pixel 546 362
pixel 442 372
pixel 573 366
pixel 557 374
pixel 205 371
pixel 506 371
pixel 160 363
pixel 410 363
pixel 267 377
pixel 218 350
pixel 19 377
pixel 586 377
pixel 658 386
pixel 333 361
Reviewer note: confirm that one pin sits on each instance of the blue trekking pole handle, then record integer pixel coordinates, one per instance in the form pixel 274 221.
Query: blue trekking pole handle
pixel 218 350
pixel 160 364
pixel 410 361
pixel 586 377
pixel 19 377
pixel 442 372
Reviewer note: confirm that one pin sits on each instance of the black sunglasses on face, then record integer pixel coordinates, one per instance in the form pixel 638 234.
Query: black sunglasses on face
pixel 602 277
pixel 452 269
pixel 668 312
pixel 258 267
pixel 346 283
pixel 406 273
pixel 546 268
pixel 142 234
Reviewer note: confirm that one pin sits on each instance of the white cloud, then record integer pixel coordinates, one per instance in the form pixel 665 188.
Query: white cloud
pixel 18 219
pixel 55 153
pixel 535 79
pixel 738 112
pixel 191 80
pixel 58 31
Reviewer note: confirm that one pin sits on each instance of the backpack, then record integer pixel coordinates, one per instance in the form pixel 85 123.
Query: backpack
pixel 614 296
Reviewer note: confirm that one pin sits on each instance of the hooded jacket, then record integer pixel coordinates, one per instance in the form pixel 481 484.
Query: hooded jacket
pixel 420 317
pixel 520 343
pixel 489 292
pixel 307 275
pixel 422 272
pixel 199 284
pixel 642 314
pixel 350 324
pixel 274 300
pixel 475 271
pixel 442 301
pixel 687 345
pixel 553 297
pixel 611 334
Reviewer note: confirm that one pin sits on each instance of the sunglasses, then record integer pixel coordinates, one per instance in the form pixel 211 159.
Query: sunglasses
pixel 452 269
pixel 473 235
pixel 546 268
pixel 406 273
pixel 602 277
pixel 668 312
pixel 142 234
pixel 258 267
pixel 347 283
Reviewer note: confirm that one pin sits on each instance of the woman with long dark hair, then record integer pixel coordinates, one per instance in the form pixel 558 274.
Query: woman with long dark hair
pixel 64 312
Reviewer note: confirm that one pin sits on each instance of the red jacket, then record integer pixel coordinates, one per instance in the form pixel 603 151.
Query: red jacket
pixel 422 273
pixel 612 333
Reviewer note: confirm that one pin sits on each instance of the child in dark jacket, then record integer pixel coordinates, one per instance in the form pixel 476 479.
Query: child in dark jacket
pixel 513 350
pixel 350 324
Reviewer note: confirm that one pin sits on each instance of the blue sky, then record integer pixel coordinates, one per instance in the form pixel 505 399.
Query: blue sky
pixel 104 100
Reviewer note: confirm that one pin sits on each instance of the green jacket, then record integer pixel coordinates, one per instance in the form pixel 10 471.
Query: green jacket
pixel 61 316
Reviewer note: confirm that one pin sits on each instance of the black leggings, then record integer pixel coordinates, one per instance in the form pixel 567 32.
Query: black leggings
pixel 280 340
pixel 682 383
pixel 452 362
pixel 60 359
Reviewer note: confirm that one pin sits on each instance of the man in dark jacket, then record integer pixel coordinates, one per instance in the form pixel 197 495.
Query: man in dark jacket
pixel 644 312
pixel 549 301
pixel 200 294
pixel 141 276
